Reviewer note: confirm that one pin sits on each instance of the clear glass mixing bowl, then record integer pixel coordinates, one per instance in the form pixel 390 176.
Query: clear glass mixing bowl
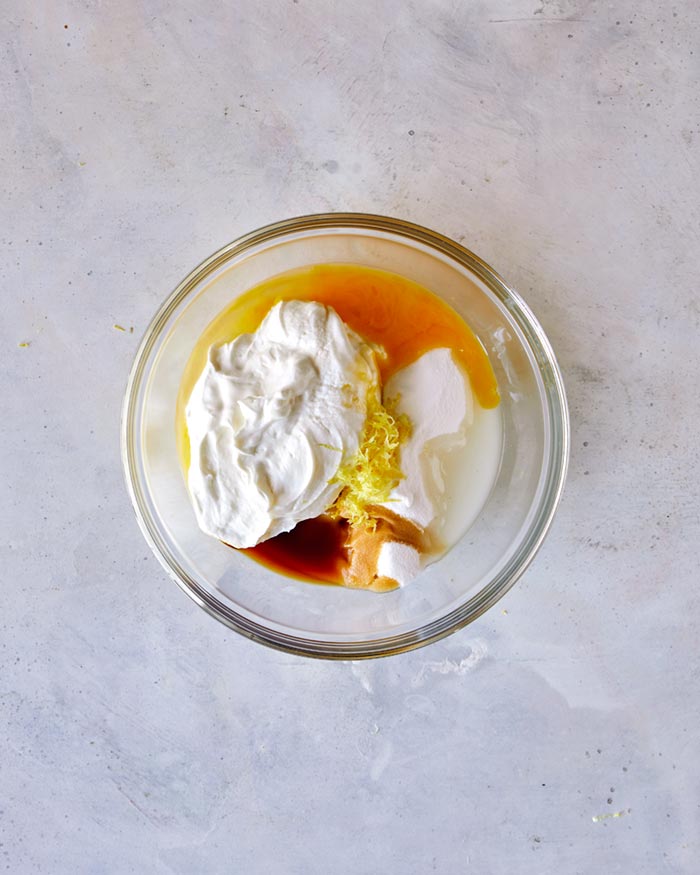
pixel 331 621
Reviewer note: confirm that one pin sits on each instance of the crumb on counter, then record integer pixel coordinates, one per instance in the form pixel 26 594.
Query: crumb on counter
pixel 598 817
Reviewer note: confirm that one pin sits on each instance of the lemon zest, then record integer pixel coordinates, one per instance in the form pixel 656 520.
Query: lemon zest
pixel 370 475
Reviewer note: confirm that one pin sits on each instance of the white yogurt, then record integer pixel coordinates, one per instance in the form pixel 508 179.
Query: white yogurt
pixel 270 420
pixel 450 462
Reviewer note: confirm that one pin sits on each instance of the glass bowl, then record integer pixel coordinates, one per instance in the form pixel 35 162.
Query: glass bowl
pixel 331 621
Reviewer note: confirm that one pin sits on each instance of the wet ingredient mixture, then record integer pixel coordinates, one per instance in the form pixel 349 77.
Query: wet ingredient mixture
pixel 425 385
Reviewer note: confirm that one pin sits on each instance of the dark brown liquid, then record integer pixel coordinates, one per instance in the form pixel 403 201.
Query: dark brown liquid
pixel 313 550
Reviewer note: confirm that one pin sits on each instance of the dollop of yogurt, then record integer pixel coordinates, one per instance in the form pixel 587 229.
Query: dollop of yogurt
pixel 272 417
pixel 436 396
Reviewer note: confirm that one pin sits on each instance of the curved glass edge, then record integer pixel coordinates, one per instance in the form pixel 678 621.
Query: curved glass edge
pixel 557 466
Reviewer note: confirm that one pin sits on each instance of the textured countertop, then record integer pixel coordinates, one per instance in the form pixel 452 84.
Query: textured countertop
pixel 560 733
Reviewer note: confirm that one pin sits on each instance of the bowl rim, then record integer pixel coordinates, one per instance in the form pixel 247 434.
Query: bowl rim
pixel 556 466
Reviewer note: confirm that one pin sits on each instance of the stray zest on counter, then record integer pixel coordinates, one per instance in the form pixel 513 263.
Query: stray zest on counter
pixel 339 424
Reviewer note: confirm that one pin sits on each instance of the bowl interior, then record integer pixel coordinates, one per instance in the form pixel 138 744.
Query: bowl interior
pixel 235 585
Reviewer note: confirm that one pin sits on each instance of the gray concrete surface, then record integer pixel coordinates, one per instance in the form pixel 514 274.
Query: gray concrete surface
pixel 560 733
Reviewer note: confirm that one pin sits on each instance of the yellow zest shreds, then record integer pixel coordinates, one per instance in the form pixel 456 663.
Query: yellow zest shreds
pixel 374 470
pixel 598 817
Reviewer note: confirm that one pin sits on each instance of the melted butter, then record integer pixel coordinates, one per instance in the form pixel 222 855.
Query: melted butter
pixel 383 308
